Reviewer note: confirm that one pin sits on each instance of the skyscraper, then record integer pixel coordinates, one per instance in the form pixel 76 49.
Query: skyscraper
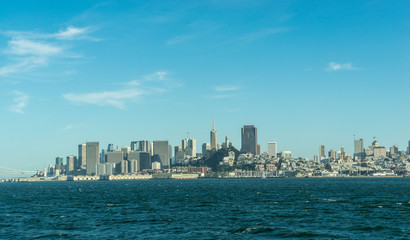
pixel 358 149
pixel 189 147
pixel 145 160
pixel 408 149
pixel 161 153
pixel 249 139
pixel 59 163
pixel 82 156
pixel 272 149
pixel 93 157
pixel 206 147
pixel 322 151
pixel 214 141
pixel 110 147
pixel 70 166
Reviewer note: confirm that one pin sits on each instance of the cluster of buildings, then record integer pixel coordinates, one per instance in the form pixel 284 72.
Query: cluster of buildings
pixel 143 157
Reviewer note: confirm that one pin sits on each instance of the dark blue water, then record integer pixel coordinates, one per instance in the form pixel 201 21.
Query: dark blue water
pixel 348 208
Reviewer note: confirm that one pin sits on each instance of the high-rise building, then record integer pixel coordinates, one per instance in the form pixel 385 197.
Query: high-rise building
pixel 145 160
pixel 125 151
pixel 142 145
pixel 205 148
pixel 134 146
pixel 179 154
pixel 115 156
pixel 332 154
pixel 249 139
pixel 134 166
pixel 82 156
pixel 161 153
pixel 189 147
pixel 214 140
pixel 258 149
pixel 322 152
pixel 272 149
pixel 110 147
pixel 93 157
pixel 71 161
pixel 103 157
pixel 59 163
pixel 408 149
pixel 358 149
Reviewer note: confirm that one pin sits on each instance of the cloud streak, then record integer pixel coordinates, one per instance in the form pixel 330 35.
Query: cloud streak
pixel 107 98
pixel 30 50
pixel 334 67
pixel 155 83
pixel 21 101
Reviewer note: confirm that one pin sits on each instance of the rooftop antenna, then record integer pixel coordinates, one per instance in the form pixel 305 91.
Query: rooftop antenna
pixel 213 125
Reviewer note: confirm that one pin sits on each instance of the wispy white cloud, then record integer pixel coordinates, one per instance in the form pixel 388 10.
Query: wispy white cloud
pixel 75 33
pixel 108 98
pixel 225 88
pixel 333 67
pixel 29 47
pixel 30 50
pixel 261 34
pixel 20 101
pixel 156 83
pixel 159 76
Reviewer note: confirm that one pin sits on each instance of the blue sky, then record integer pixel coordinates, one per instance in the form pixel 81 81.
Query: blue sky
pixel 305 73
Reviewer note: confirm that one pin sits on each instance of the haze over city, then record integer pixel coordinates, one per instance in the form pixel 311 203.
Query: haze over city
pixel 305 74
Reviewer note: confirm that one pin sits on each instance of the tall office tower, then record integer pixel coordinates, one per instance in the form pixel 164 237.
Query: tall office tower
pixel 133 155
pixel 161 153
pixel 272 149
pixel 125 151
pixel 103 157
pixel 315 158
pixel 332 154
pixel 110 147
pixel 179 154
pixel 408 149
pixel 214 140
pixel 189 147
pixel 205 148
pixel 145 160
pixel 134 146
pixel 144 146
pixel 124 166
pixel 394 150
pixel 71 160
pixel 59 163
pixel 115 157
pixel 82 156
pixel 249 139
pixel 170 155
pixel 258 149
pixel 322 152
pixel 358 149
pixel 93 157
pixel 134 166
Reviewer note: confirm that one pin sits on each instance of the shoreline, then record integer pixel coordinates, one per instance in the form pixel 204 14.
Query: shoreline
pixel 171 177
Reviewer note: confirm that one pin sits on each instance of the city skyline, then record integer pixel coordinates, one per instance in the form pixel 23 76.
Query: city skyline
pixel 304 74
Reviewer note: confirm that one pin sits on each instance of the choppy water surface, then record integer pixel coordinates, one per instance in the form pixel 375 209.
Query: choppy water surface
pixel 207 209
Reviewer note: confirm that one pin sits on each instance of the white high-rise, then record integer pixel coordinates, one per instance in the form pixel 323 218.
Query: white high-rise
pixel 272 149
